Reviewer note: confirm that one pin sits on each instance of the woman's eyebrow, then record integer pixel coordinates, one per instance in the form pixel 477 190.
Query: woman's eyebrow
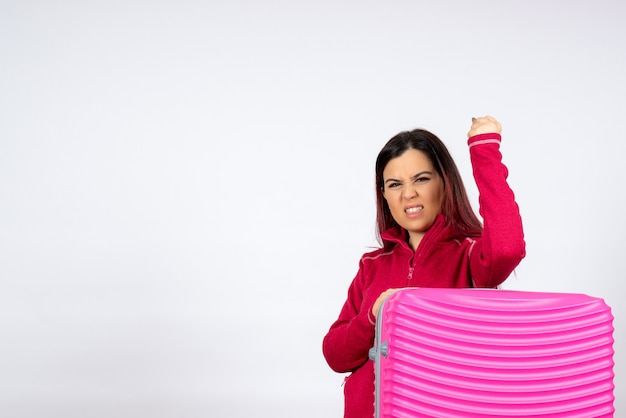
pixel 413 177
pixel 421 173
pixel 392 179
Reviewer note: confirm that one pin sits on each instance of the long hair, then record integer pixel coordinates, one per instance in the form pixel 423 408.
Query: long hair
pixel 456 207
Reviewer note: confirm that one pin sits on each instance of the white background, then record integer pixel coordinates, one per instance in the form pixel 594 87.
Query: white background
pixel 186 187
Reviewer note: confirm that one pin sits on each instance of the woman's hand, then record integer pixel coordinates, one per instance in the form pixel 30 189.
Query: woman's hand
pixel 380 300
pixel 484 125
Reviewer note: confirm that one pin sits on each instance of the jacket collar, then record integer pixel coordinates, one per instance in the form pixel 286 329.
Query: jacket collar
pixel 439 231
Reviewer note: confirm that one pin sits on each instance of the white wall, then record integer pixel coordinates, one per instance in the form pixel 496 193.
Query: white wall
pixel 186 187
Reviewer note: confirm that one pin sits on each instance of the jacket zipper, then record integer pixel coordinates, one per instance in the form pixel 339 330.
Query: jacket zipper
pixel 411 268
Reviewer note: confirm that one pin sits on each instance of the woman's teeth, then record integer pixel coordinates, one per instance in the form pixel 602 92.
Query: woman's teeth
pixel 414 210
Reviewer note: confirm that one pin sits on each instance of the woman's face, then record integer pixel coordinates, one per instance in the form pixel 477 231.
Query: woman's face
pixel 414 192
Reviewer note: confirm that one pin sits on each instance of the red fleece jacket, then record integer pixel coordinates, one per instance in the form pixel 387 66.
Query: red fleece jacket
pixel 444 258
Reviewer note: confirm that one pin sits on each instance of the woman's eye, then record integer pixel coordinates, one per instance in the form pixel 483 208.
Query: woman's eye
pixel 421 179
pixel 393 185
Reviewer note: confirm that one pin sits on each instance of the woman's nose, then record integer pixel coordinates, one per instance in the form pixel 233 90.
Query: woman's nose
pixel 409 192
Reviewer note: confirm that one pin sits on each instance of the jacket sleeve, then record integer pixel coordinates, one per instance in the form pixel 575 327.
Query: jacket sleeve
pixel 347 343
pixel 502 246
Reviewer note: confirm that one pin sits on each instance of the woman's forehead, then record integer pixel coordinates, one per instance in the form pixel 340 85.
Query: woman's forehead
pixel 408 164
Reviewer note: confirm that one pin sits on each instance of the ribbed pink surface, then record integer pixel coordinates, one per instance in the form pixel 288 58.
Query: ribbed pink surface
pixel 494 353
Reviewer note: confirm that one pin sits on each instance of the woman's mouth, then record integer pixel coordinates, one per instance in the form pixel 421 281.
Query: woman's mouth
pixel 413 210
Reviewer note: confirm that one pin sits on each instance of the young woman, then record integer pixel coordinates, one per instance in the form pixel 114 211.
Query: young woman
pixel 430 237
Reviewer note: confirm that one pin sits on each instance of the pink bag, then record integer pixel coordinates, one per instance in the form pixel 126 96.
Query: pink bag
pixel 482 353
